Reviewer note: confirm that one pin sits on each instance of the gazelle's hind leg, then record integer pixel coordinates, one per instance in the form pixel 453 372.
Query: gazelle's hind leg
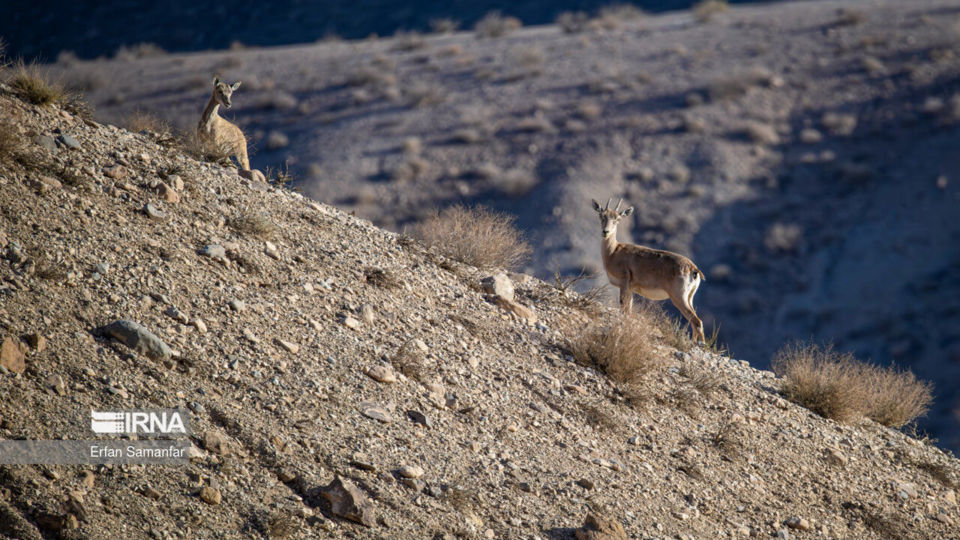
pixel 242 156
pixel 683 300
pixel 626 299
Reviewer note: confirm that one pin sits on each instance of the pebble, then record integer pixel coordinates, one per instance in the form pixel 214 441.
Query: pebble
pixel 586 483
pixel 138 338
pixel 167 193
pixel 176 315
pixel 367 314
pixel 498 285
pixel 153 212
pixel 12 355
pixel 56 383
pixel 798 523
pixel 46 142
pixel 348 501
pixel 382 374
pixel 69 141
pixel 36 342
pixel 292 348
pixel 151 492
pixel 116 172
pixel 271 250
pixel 378 413
pixel 411 471
pixel 237 305
pixel 351 323
pixel 210 495
pixel 199 325
pixel 418 417
pixel 215 252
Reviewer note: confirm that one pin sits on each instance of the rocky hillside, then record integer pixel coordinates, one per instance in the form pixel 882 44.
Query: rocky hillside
pixel 345 382
pixel 801 153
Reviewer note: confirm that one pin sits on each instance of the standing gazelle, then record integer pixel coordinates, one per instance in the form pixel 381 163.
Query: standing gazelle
pixel 653 273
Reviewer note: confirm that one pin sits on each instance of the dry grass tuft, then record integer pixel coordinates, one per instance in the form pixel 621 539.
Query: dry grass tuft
pixel 444 26
pixel 738 84
pixel 32 85
pixel 706 10
pixel 729 440
pixel 282 525
pixel 625 348
pixel 475 236
pixel 599 417
pixel 495 24
pixel 11 141
pixel 409 361
pixel 838 386
pixel 258 225
pixel 573 22
pixel 141 120
pixel 408 41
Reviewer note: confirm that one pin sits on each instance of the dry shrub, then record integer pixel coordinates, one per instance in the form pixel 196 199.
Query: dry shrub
pixel 739 83
pixel 408 41
pixel 139 50
pixel 259 225
pixel 599 417
pixel 444 26
pixel 409 361
pixel 783 237
pixel 897 397
pixel 475 236
pixel 706 10
pixel 572 22
pixel 282 525
pixel 526 61
pixel 624 348
pixel 11 141
pixel 838 386
pixel 613 16
pixel 495 24
pixel 849 17
pixel 729 440
pixel 141 120
pixel 825 381
pixel 32 85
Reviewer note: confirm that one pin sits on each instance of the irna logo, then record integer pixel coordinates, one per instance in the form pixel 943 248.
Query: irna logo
pixel 139 422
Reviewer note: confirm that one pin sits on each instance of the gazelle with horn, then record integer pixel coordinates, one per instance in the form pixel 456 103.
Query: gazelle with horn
pixel 652 273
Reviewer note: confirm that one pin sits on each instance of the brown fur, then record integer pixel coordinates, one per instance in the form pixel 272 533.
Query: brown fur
pixel 653 273
pixel 218 135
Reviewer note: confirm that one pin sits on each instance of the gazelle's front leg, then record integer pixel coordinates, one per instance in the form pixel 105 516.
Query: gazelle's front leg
pixel 626 299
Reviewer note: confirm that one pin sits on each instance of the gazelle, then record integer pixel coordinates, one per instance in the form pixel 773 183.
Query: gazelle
pixel 216 134
pixel 652 273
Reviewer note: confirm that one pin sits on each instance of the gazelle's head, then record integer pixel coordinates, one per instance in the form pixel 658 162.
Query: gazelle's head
pixel 222 91
pixel 609 218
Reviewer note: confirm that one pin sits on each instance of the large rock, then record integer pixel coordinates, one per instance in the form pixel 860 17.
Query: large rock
pixel 597 527
pixel 498 285
pixel 12 355
pixel 347 501
pixel 138 338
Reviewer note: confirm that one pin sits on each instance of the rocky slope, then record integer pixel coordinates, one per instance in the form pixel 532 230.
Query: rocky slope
pixel 313 349
pixel 802 153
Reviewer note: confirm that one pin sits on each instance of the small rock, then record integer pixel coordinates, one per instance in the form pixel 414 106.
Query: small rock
pixel 46 142
pixel 117 172
pixel 247 333
pixel 44 184
pixel 216 252
pixel 176 315
pixel 347 501
pixel 418 417
pixel 167 193
pixel 906 490
pixel 69 141
pixel 153 212
pixel 351 323
pixel 199 325
pixel 411 471
pixel 836 457
pixel 271 250
pixel 414 483
pixel 518 310
pixel 237 305
pixel 252 175
pixel 56 383
pixel 950 496
pixel 382 374
pixel 36 342
pixel 498 285
pixel 216 443
pixel 152 493
pixel 361 461
pixel 378 413
pixel 598 527
pixel 138 338
pixel 286 475
pixel 87 479
pixel 798 523
pixel 292 348
pixel 586 483
pixel 782 534
pixel 210 495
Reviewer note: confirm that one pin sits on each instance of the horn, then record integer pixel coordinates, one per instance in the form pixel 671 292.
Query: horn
pixel 607 207
pixel 617 209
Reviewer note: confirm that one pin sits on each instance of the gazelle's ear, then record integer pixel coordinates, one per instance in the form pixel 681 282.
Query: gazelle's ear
pixel 627 212
pixel 235 86
pixel 596 205
pixel 216 80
